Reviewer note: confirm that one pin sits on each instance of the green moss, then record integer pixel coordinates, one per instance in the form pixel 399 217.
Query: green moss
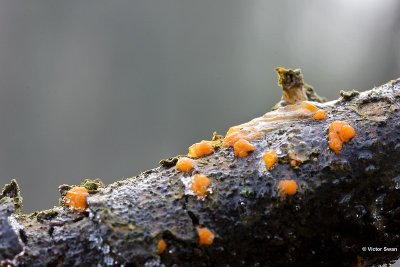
pixel 11 190
pixel 348 95
pixel 63 189
pixel 92 186
pixel 46 215
pixel 170 162
pixel 312 95
pixel 32 215
pixel 216 137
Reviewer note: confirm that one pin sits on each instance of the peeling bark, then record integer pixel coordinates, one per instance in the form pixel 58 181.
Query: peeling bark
pixel 344 202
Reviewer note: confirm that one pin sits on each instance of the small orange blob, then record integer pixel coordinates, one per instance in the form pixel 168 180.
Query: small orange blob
pixel 336 126
pixel 270 159
pixel 76 198
pixel 308 106
pixel 339 132
pixel 347 133
pixel 201 149
pixel 161 246
pixel 287 187
pixel 242 148
pixel 184 164
pixel 206 237
pixel 336 145
pixel 200 185
pixel 231 136
pixel 236 133
pixel 320 115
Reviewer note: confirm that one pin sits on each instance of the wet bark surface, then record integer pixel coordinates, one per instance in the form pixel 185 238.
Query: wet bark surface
pixel 344 202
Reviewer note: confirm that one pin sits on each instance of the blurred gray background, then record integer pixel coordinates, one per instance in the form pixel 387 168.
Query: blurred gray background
pixel 105 89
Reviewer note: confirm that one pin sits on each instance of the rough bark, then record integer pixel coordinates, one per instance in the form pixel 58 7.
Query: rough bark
pixel 344 202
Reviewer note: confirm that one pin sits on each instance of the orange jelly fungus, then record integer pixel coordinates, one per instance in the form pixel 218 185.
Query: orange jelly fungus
pixel 308 106
pixel 206 237
pixel 336 126
pixel 76 198
pixel 184 164
pixel 340 132
pixel 272 120
pixel 201 149
pixel 200 185
pixel 242 148
pixel 347 133
pixel 270 159
pixel 287 187
pixel 336 145
pixel 161 246
pixel 320 115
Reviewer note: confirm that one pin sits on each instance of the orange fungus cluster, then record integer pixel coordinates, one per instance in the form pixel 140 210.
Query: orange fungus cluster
pixel 339 132
pixel 206 237
pixel 76 198
pixel 200 185
pixel 255 128
pixel 236 133
pixel 270 159
pixel 242 148
pixel 287 187
pixel 201 149
pixel 318 114
pixel 184 164
pixel 161 246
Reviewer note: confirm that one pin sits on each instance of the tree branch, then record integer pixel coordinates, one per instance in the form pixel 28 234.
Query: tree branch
pixel 343 202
